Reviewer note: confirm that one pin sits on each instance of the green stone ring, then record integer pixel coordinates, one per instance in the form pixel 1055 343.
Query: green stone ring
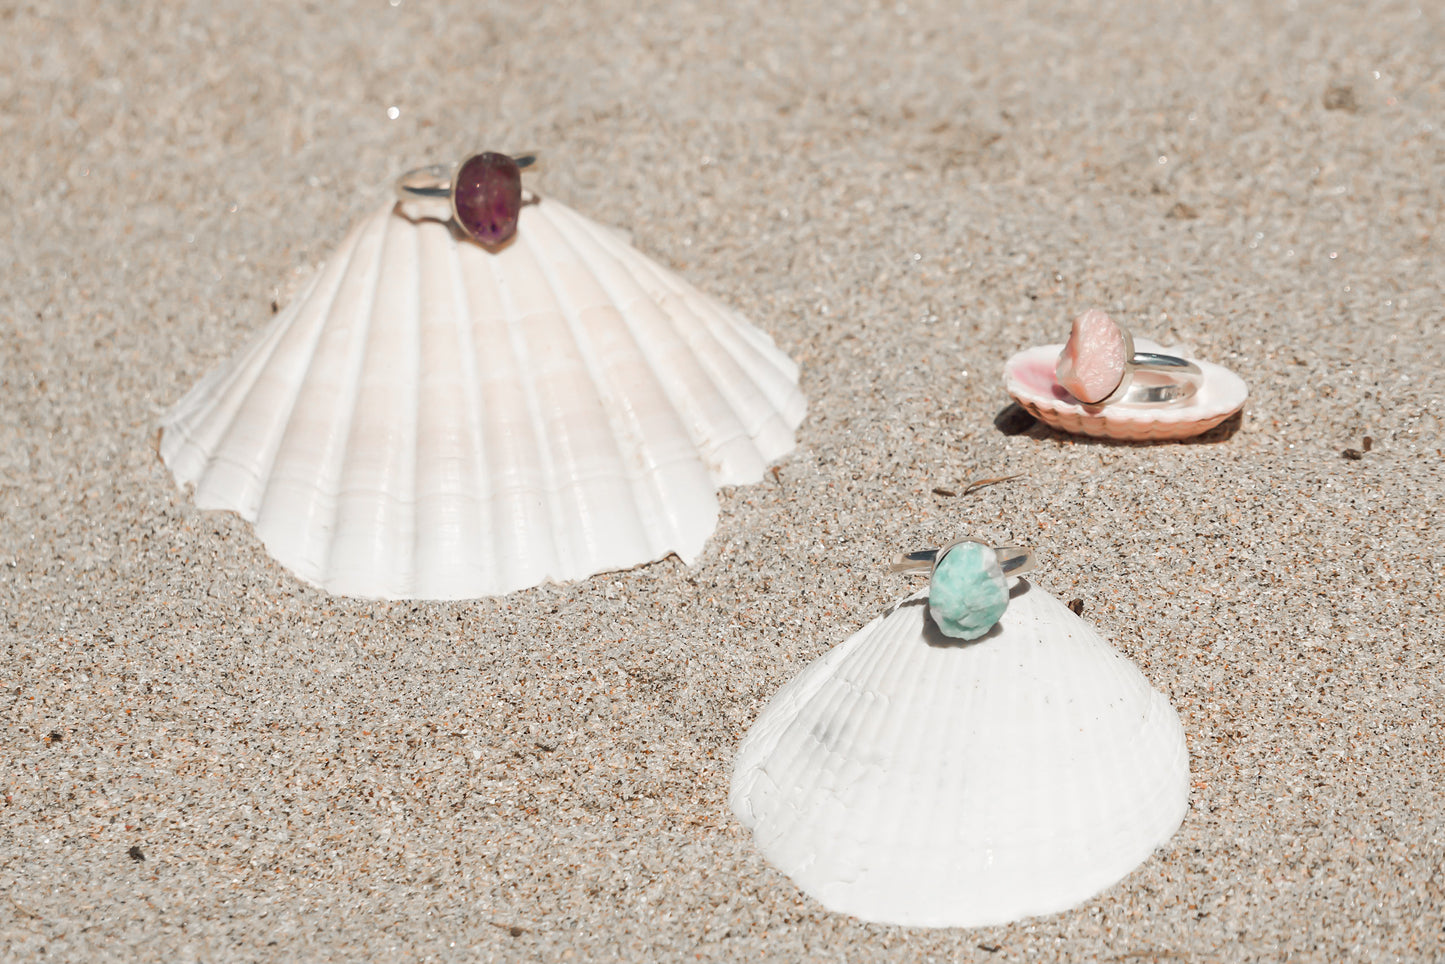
pixel 968 583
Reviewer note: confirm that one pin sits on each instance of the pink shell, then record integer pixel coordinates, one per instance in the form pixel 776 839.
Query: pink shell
pixel 1029 377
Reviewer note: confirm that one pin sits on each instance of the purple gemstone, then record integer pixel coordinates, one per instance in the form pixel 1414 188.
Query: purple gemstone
pixel 488 197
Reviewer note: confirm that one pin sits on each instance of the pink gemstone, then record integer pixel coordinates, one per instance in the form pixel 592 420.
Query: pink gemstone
pixel 488 197
pixel 1091 365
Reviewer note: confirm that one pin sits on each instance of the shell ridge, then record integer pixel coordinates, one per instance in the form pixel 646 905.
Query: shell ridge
pixel 262 467
pixel 409 574
pixel 935 675
pixel 374 520
pixel 995 718
pixel 183 447
pixel 1095 828
pixel 1133 721
pixel 659 518
pixel 220 378
pixel 685 498
pixel 1150 822
pixel 760 347
pixel 967 713
pixel 617 431
pixel 755 351
pixel 288 544
pixel 507 413
pixel 251 508
pixel 838 663
pixel 1050 657
pixel 751 348
pixel 688 410
pixel 1161 718
pixel 844 663
pixel 334 469
pixel 444 508
pixel 825 733
pixel 1147 706
pixel 763 343
pixel 803 731
pixel 214 387
pixel 772 378
pixel 249 368
pixel 875 667
pixel 1163 810
pixel 1080 653
pixel 780 712
pixel 699 428
pixel 900 662
pixel 771 429
pixel 467 349
pixel 590 256
pixel 862 754
pixel 712 354
pixel 559 563
pixel 799 800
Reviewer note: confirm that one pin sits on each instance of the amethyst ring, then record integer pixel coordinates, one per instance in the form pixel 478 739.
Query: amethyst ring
pixel 485 193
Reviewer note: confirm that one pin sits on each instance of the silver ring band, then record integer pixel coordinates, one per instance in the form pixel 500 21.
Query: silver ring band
pixel 434 182
pixel 1167 378
pixel 1013 560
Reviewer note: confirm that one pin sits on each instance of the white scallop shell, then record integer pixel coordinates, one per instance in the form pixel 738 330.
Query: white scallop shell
pixel 431 420
pixel 909 778
pixel 1030 378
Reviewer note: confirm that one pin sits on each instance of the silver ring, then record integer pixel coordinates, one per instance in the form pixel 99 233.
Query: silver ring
pixel 484 193
pixel 1099 366
pixel 1012 560
pixel 968 583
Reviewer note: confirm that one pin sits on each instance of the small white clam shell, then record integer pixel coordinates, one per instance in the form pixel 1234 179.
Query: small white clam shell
pixel 909 778
pixel 433 420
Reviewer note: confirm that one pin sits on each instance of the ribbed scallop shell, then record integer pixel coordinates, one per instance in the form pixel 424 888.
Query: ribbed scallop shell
pixel 908 778
pixel 1030 379
pixel 432 420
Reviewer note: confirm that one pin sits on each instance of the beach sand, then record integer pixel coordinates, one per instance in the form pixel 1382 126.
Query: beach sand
pixel 203 759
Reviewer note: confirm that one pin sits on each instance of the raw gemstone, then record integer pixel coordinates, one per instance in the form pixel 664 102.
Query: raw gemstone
pixel 488 197
pixel 968 592
pixel 1091 365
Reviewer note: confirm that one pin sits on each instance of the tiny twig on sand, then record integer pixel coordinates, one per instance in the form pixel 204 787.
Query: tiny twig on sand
pixel 981 483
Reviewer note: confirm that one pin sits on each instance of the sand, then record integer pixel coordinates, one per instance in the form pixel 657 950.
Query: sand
pixel 203 759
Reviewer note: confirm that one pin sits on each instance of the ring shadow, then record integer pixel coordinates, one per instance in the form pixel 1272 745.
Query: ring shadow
pixel 937 638
pixel 456 229
pixel 1013 419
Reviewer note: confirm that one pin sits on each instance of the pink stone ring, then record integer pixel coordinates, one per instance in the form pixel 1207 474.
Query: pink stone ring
pixel 1099 366
pixel 485 193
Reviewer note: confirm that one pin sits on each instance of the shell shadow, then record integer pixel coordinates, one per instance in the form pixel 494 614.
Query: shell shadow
pixel 936 637
pixel 1013 419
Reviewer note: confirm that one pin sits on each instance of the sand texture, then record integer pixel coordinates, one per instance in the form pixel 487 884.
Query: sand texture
pixel 203 759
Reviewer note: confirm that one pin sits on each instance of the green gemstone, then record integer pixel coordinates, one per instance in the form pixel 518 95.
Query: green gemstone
pixel 968 593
